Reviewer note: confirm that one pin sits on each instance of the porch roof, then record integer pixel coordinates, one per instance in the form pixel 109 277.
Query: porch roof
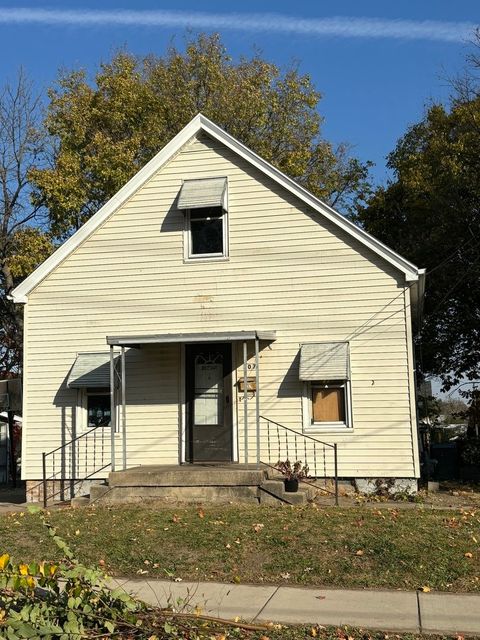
pixel 172 338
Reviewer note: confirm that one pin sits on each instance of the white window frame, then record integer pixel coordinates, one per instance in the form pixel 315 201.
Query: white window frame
pixel 82 409
pixel 307 407
pixel 188 256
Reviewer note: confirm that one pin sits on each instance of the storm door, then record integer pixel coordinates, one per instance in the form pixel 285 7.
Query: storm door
pixel 208 369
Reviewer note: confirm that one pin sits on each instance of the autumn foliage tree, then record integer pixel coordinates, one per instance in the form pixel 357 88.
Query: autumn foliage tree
pixel 107 130
pixel 430 212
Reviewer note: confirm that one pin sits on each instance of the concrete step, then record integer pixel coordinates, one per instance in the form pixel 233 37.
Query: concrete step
pixel 142 494
pixel 273 492
pixel 79 501
pixel 97 491
pixel 186 476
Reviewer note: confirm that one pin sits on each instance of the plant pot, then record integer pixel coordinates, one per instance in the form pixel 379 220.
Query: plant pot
pixel 291 485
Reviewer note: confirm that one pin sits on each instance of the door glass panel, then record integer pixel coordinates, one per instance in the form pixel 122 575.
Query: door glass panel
pixel 208 399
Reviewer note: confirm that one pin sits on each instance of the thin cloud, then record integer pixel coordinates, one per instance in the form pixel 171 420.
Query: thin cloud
pixel 344 27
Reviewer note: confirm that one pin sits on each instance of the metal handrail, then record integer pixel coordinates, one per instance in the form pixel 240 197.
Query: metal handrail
pixel 297 433
pixel 82 435
pixel 73 460
pixel 281 444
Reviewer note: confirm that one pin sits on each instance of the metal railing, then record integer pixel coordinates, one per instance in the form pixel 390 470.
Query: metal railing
pixel 75 461
pixel 284 443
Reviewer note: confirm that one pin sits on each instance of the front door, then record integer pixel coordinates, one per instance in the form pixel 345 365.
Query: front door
pixel 208 369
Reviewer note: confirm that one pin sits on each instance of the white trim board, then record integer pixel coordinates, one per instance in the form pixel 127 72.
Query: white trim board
pixel 195 126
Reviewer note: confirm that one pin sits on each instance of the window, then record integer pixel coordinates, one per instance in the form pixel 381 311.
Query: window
pixel 207 233
pixel 325 373
pixel 326 404
pixel 98 408
pixel 205 203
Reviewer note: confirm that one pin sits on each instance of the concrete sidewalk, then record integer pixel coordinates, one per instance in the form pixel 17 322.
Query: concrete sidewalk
pixel 370 609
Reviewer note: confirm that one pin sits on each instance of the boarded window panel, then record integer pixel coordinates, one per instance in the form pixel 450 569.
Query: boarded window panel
pixel 328 404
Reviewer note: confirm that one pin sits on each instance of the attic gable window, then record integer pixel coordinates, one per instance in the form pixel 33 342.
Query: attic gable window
pixel 204 202
pixel 206 236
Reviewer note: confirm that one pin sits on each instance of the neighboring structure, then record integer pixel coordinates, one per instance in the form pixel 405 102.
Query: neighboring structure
pixel 10 428
pixel 213 302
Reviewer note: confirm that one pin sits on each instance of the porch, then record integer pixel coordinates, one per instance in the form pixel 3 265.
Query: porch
pixel 217 397
pixel 207 393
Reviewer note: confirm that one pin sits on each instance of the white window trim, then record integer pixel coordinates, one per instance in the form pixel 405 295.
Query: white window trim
pixel 201 257
pixel 82 410
pixel 319 427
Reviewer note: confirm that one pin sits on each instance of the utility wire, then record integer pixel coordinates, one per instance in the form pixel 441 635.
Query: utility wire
pixel 455 285
pixel 451 256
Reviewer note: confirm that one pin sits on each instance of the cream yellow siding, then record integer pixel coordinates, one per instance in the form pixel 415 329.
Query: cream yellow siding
pixel 288 270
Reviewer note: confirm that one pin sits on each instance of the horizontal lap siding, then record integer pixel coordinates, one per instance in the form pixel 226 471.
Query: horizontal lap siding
pixel 289 270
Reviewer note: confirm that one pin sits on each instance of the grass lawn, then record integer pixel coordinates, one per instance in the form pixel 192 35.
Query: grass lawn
pixel 354 547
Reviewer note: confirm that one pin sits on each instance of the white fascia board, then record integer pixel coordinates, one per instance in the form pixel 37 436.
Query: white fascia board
pixel 201 123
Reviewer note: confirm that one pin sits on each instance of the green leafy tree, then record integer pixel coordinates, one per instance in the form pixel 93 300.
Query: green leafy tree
pixel 106 131
pixel 430 212
pixel 23 244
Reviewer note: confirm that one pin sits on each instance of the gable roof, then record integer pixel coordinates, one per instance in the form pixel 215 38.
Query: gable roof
pixel 198 124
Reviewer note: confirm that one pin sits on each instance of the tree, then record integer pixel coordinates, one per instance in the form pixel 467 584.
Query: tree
pixel 107 131
pixel 453 411
pixel 22 244
pixel 430 213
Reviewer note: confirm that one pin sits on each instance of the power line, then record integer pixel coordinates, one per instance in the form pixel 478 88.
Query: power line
pixel 455 285
pixel 450 257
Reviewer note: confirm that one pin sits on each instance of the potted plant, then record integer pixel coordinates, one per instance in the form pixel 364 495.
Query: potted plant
pixel 293 473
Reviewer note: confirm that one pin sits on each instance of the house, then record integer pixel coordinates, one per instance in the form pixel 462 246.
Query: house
pixel 215 311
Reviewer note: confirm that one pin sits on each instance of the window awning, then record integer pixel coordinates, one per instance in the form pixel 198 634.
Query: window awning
pixel 206 192
pixel 170 338
pixel 324 361
pixel 90 370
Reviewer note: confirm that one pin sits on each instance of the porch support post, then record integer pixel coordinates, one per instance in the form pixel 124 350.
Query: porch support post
pixel 257 397
pixel 113 412
pixel 245 399
pixel 124 410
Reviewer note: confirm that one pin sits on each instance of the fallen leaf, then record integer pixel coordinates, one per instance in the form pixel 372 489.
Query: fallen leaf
pixel 469 554
pixel 201 513
pixel 258 527
pixel 425 589
pixel 359 552
pixel 320 597
pixel 175 518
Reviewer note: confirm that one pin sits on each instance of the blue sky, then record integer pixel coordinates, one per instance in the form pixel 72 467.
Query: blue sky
pixel 373 86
